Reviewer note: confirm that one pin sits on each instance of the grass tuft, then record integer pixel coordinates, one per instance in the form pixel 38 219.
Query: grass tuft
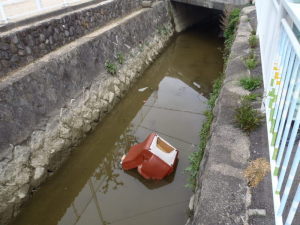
pixel 253 41
pixel 247 118
pixel 251 61
pixel 250 83
pixel 251 97
pixel 111 67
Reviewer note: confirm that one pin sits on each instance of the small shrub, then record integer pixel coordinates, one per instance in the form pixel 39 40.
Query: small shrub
pixel 250 97
pixel 111 67
pixel 253 41
pixel 120 58
pixel 247 118
pixel 250 83
pixel 251 61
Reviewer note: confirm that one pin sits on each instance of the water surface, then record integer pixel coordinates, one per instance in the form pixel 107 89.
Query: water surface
pixel 91 188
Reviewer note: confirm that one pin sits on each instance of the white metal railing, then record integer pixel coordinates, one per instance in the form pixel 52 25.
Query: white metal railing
pixel 278 30
pixel 18 9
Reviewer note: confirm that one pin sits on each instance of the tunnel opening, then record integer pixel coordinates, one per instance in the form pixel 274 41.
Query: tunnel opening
pixel 186 16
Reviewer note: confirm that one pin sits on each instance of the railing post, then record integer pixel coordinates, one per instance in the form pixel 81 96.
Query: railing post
pixel 38 4
pixel 2 13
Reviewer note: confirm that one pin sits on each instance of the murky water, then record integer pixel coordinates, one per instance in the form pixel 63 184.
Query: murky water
pixel 91 188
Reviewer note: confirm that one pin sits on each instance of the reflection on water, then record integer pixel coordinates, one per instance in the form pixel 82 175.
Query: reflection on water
pixel 91 188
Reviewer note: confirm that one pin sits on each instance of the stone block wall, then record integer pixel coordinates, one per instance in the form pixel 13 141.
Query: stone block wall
pixel 25 44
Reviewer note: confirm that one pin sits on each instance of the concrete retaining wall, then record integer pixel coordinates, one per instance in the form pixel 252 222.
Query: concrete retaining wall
pixel 48 106
pixel 222 195
pixel 25 44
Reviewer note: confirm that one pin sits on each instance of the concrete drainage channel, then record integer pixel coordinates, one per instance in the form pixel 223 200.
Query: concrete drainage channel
pixel 49 105
pixel 58 83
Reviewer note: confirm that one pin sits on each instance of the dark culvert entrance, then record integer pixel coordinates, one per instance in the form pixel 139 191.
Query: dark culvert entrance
pixel 170 99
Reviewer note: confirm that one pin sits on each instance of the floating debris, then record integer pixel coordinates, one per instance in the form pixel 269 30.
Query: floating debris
pixel 196 84
pixel 154 158
pixel 143 89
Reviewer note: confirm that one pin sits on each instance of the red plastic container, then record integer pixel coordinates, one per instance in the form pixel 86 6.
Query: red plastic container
pixel 155 158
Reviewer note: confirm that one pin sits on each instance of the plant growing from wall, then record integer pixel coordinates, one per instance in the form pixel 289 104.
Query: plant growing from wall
pixel 120 58
pixel 253 41
pixel 250 83
pixel 229 22
pixel 251 61
pixel 163 30
pixel 111 67
pixel 246 117
pixel 251 97
pixel 196 157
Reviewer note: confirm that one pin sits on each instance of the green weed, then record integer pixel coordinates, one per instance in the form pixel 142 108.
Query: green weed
pixel 230 22
pixel 251 97
pixel 120 58
pixel 251 61
pixel 250 83
pixel 253 41
pixel 111 67
pixel 196 157
pixel 246 117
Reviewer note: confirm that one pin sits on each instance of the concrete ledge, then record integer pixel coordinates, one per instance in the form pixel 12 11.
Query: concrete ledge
pixel 223 196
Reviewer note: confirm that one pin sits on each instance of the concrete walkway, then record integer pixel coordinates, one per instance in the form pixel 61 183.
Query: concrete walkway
pixel 223 196
pixel 20 7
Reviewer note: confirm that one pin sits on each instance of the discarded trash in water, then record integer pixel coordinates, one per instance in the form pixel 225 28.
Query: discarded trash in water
pixel 143 89
pixel 196 84
pixel 154 158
